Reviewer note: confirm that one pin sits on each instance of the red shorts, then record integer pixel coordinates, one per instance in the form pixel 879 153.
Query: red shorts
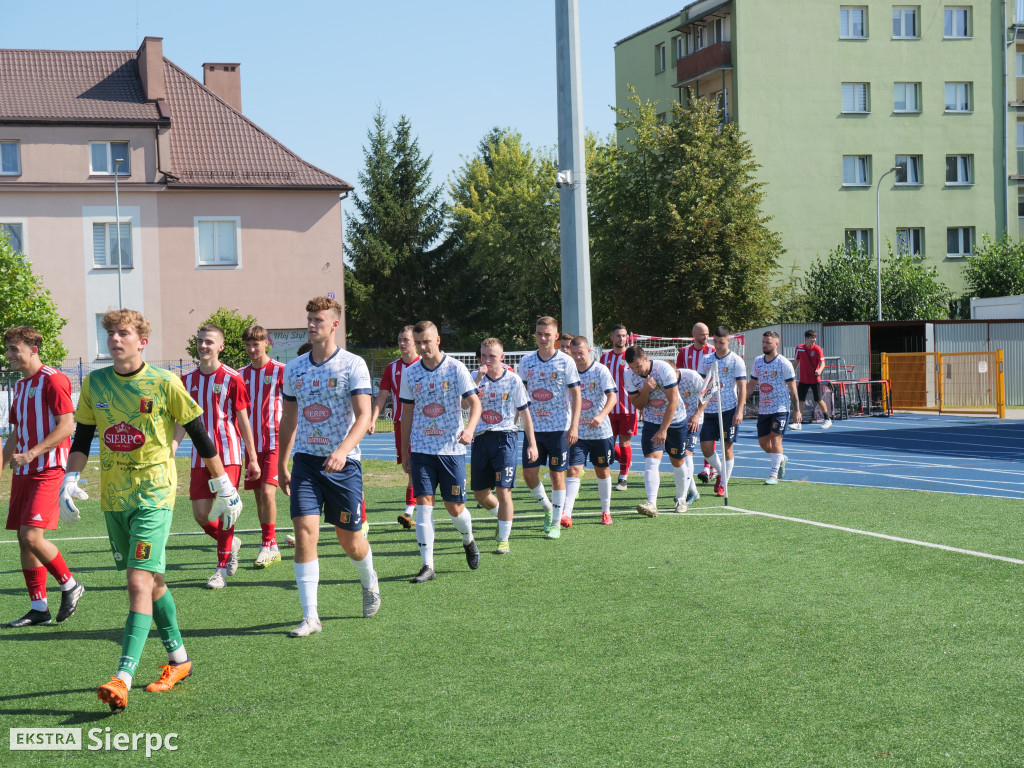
pixel 199 485
pixel 268 470
pixel 34 499
pixel 623 424
pixel 398 441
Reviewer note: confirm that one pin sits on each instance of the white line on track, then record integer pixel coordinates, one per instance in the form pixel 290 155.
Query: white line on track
pixel 898 539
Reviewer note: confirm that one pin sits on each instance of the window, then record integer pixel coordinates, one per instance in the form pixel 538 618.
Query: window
pixel 15 235
pixel 910 241
pixel 678 48
pixel 10 158
pixel 101 338
pixel 959 241
pixel 217 241
pixel 855 98
pixel 958 97
pixel 856 170
pixel 659 58
pixel 957 23
pixel 858 241
pixel 104 155
pixel 853 22
pixel 958 169
pixel 904 22
pixel 105 246
pixel 661 117
pixel 909 172
pixel 718 30
pixel 906 97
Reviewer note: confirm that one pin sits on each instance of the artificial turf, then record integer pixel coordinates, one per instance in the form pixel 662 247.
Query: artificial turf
pixel 698 640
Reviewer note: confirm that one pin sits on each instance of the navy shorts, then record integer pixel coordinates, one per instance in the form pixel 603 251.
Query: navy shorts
pixel 552 449
pixel 493 463
pixel 600 452
pixel 338 495
pixel 692 442
pixel 709 433
pixel 429 471
pixel 772 422
pixel 674 440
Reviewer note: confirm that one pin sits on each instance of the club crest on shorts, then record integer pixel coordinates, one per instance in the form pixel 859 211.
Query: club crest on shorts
pixel 456 490
pixel 143 550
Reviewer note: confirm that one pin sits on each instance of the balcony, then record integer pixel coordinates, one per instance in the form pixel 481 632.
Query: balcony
pixel 715 56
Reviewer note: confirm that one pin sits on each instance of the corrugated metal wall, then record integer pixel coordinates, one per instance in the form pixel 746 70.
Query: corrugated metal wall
pixel 1009 337
pixel 852 343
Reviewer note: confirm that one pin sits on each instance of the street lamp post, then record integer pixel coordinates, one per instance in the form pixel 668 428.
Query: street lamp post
pixel 878 236
pixel 117 227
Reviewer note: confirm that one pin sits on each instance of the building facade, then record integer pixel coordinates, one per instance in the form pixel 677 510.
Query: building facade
pixel 211 210
pixel 832 96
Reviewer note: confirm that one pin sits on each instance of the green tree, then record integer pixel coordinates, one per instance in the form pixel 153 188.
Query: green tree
pixel 25 301
pixel 677 229
pixel 396 266
pixel 233 323
pixel 504 240
pixel 843 287
pixel 995 269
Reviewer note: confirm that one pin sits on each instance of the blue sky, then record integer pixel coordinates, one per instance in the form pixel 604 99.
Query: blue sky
pixel 313 72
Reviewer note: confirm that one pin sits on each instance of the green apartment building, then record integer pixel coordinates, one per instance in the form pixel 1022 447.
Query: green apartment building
pixel 834 95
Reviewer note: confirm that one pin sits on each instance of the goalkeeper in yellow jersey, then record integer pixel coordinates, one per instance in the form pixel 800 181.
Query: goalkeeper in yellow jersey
pixel 134 407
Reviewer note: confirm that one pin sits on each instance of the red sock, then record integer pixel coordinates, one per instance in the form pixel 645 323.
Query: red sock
pixel 269 535
pixel 627 459
pixel 224 539
pixel 410 499
pixel 59 569
pixel 35 580
pixel 212 529
pixel 618 453
pixel 364 508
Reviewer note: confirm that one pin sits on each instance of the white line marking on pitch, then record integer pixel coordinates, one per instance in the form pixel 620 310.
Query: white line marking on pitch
pixel 898 539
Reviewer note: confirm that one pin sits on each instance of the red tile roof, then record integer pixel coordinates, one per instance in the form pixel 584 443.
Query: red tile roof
pixel 212 144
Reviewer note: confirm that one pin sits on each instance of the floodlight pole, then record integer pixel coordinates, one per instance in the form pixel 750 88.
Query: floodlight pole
pixel 878 236
pixel 117 235
pixel 577 312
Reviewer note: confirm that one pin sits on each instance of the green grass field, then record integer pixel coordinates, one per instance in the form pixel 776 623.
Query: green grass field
pixel 701 640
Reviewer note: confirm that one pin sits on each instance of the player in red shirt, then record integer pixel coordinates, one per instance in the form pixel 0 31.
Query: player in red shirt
pixel 43 417
pixel 809 363
pixel 689 357
pixel 623 417
pixel 264 379
pixel 222 395
pixel 391 382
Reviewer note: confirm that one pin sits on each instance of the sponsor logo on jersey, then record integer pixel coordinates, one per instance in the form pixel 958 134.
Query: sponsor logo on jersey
pixel 332 383
pixel 102 405
pixel 316 383
pixel 587 404
pixel 317 438
pixel 491 417
pixel 658 403
pixel 123 438
pixel 433 432
pixel 430 385
pixel 493 394
pixel 766 388
pixel 316 413
pixel 433 410
pixel 145 405
pixel 143 550
pixel 217 388
pixel 543 395
pixel 543 413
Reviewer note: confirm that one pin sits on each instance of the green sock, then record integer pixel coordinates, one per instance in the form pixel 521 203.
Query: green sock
pixel 165 613
pixel 136 630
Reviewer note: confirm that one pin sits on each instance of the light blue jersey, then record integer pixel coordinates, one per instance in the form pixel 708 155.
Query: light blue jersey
pixel 435 395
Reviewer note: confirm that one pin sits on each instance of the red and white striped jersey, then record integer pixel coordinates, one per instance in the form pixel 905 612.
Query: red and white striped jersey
pixel 689 356
pixel 616 365
pixel 221 395
pixel 38 401
pixel 391 382
pixel 264 388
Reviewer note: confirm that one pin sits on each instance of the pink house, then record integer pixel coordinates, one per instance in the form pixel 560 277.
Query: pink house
pixel 213 210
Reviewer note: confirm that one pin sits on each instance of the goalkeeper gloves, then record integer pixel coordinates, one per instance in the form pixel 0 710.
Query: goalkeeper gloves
pixel 227 505
pixel 69 491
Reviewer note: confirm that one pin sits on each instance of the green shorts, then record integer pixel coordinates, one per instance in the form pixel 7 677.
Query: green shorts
pixel 138 539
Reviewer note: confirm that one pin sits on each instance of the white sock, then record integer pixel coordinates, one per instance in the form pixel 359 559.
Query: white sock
pixel 776 463
pixel 39 605
pixel 410 509
pixel 425 533
pixel 122 675
pixel 679 475
pixel 652 479
pixel 307 579
pixel 367 576
pixel 728 468
pixel 223 572
pixel 178 655
pixel 688 462
pixel 572 489
pixel 604 492
pixel 69 584
pixel 715 462
pixel 504 529
pixel 558 502
pixel 464 524
pixel 539 493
